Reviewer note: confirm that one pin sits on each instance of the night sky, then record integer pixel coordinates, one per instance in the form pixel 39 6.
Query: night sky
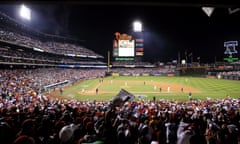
pixel 167 29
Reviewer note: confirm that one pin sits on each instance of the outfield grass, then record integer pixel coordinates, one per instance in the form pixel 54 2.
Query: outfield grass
pixel 201 88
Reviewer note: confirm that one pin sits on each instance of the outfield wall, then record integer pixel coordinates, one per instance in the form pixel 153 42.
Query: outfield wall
pixel 219 75
pixel 144 74
pixel 196 72
pixel 229 77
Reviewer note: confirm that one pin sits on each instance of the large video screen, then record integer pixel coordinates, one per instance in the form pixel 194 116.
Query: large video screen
pixel 126 48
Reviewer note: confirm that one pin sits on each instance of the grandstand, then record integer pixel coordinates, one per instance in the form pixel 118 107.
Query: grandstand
pixel 20 46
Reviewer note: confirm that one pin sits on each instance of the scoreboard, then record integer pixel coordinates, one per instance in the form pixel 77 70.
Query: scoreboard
pixel 126 48
pixel 123 48
pixel 139 47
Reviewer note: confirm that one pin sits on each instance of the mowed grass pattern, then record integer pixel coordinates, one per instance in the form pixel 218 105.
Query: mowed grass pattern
pixel 204 87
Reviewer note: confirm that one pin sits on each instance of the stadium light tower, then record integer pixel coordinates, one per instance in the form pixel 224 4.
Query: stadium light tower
pixel 25 12
pixel 137 26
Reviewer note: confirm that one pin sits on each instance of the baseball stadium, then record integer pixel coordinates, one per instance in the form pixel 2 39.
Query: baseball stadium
pixel 55 90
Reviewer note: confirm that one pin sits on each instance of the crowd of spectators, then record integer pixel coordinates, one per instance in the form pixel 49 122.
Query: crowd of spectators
pixel 230 73
pixel 21 83
pixel 44 120
pixel 8 54
pixel 9 31
pixel 48 46
pixel 29 117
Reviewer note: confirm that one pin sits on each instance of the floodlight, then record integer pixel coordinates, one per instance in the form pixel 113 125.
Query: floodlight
pixel 25 12
pixel 137 26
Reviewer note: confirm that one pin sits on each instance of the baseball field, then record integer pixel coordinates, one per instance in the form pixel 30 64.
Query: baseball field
pixel 145 87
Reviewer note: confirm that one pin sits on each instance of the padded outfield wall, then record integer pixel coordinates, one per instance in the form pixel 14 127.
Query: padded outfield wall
pixel 176 73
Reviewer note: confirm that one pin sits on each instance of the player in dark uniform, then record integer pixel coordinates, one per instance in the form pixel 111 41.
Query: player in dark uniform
pixel 96 90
